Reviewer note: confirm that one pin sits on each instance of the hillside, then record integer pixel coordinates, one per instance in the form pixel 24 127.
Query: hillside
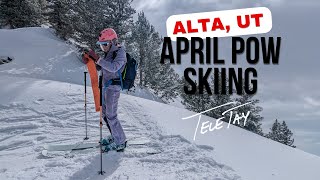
pixel 42 102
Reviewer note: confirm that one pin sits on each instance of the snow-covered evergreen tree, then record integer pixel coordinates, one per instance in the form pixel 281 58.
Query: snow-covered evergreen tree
pixel 142 34
pixel 41 7
pixel 89 18
pixel 162 79
pixel 87 21
pixel 253 123
pixel 59 17
pixel 83 20
pixel 19 13
pixel 195 102
pixel 220 99
pixel 287 135
pixel 159 78
pixel 281 133
pixel 209 101
pixel 118 14
pixel 275 132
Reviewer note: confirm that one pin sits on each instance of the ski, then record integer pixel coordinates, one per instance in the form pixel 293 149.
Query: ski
pixel 86 145
pixel 135 145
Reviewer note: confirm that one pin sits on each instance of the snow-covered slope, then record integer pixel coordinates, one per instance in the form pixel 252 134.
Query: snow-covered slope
pixel 37 109
pixel 38 53
pixel 52 112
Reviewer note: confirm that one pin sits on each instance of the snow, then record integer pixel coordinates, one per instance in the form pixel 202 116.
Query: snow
pixel 38 53
pixel 42 55
pixel 52 112
pixel 42 102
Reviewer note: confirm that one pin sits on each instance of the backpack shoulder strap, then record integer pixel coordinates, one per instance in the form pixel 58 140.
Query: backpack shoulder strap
pixel 114 54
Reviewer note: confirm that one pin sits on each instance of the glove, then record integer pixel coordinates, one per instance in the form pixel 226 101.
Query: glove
pixel 91 54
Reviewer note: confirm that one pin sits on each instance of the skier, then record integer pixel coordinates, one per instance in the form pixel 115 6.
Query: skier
pixel 112 64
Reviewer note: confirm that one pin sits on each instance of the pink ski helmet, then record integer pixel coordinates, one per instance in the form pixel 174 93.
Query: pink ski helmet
pixel 107 35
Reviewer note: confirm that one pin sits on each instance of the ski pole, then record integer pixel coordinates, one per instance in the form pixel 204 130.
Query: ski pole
pixel 101 172
pixel 85 103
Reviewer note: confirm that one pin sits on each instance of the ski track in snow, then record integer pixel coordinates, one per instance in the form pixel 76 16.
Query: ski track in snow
pixel 27 126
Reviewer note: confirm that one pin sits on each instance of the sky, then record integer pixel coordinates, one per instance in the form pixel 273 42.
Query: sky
pixel 288 91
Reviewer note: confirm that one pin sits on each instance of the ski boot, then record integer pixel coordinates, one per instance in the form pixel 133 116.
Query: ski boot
pixel 108 140
pixel 115 147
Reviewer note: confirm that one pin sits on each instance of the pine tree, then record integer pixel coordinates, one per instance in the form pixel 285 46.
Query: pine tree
pixel 220 99
pixel 195 102
pixel 281 133
pixel 209 101
pixel 142 34
pixel 119 16
pixel 89 18
pixel 18 13
pixel 253 123
pixel 275 133
pixel 59 17
pixel 286 135
pixel 41 10
pixel 161 79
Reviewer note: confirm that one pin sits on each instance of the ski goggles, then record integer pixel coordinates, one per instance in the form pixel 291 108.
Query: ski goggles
pixel 105 43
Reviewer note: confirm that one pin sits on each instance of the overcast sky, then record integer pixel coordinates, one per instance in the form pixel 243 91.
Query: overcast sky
pixel 288 91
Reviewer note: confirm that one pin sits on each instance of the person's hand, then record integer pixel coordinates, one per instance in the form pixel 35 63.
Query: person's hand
pixel 84 57
pixel 92 55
